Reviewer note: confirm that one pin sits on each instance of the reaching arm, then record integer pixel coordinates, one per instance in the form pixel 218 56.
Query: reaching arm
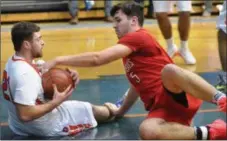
pixel 130 99
pixel 91 59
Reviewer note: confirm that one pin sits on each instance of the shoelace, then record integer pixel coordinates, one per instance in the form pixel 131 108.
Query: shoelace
pixel 222 79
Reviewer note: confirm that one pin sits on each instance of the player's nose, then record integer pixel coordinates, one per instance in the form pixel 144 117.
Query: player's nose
pixel 43 43
pixel 114 25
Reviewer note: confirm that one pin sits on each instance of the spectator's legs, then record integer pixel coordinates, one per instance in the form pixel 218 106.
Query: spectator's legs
pixel 208 8
pixel 73 10
pixel 184 28
pixel 108 6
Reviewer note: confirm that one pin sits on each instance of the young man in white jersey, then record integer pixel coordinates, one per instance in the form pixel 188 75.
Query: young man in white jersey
pixel 161 8
pixel 29 113
pixel 222 48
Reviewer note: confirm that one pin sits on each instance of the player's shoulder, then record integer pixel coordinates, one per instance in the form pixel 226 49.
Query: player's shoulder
pixel 18 67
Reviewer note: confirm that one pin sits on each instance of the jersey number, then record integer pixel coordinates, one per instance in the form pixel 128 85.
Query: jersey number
pixel 5 86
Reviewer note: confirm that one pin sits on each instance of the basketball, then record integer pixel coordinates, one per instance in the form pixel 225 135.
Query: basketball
pixel 60 77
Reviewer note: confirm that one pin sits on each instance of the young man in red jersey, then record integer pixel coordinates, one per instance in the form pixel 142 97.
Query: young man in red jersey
pixel 170 94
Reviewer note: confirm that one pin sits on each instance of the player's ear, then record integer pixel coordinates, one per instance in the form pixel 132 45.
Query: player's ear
pixel 26 44
pixel 134 20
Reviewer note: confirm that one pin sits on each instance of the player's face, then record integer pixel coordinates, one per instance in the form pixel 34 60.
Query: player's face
pixel 37 45
pixel 121 24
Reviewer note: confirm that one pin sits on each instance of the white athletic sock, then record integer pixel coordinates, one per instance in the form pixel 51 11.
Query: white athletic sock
pixel 217 96
pixel 170 42
pixel 201 133
pixel 184 44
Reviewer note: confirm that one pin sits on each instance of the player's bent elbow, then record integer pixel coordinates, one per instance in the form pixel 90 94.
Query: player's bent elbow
pixel 97 61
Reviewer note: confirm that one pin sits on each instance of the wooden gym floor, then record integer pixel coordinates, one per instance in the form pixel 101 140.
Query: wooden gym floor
pixel 107 83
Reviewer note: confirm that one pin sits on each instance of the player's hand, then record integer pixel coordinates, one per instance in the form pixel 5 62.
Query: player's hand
pixel 75 75
pixel 113 109
pixel 39 64
pixel 49 64
pixel 59 97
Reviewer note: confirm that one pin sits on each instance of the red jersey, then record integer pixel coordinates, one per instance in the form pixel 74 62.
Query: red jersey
pixel 144 65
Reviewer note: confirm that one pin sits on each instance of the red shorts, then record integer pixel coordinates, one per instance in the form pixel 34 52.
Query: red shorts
pixel 179 108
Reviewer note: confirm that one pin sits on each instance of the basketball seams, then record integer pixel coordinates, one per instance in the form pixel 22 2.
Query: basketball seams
pixel 46 78
pixel 60 77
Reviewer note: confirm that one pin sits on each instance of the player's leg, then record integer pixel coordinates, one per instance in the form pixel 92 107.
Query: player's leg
pixel 171 116
pixel 184 8
pixel 161 8
pixel 176 80
pixel 73 11
pixel 103 113
pixel 159 129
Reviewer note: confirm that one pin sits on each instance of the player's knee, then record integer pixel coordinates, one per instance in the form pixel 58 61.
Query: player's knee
pixel 169 71
pixel 150 131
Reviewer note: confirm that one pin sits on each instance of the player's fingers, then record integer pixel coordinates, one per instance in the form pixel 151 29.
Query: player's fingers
pixel 77 80
pixel 68 70
pixel 69 92
pixel 55 87
pixel 68 89
pixel 73 74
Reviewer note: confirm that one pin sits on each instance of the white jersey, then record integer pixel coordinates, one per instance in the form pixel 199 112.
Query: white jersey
pixel 221 22
pixel 22 85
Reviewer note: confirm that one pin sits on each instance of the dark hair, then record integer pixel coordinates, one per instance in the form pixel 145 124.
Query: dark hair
pixel 22 31
pixel 130 9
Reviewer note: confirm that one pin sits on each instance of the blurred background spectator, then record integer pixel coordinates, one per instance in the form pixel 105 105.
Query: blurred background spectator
pixel 150 10
pixel 74 9
pixel 207 8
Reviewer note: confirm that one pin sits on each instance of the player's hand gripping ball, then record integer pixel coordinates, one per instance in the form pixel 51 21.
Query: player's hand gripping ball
pixel 60 77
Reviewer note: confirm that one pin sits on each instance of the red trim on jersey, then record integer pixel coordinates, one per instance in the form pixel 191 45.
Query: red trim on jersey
pixel 74 129
pixel 32 65
pixel 6 97
pixel 37 102
pixel 5 87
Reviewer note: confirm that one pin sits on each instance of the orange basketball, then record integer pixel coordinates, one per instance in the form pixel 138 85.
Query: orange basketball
pixel 60 77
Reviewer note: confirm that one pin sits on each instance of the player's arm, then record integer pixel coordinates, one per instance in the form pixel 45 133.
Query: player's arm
pixel 130 99
pixel 28 113
pixel 91 59
pixel 26 92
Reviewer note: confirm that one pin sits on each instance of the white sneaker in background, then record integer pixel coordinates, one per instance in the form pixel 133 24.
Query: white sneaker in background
pixel 188 57
pixel 121 100
pixel 172 51
pixel 219 7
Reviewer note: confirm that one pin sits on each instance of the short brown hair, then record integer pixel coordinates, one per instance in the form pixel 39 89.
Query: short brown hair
pixel 130 9
pixel 22 31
